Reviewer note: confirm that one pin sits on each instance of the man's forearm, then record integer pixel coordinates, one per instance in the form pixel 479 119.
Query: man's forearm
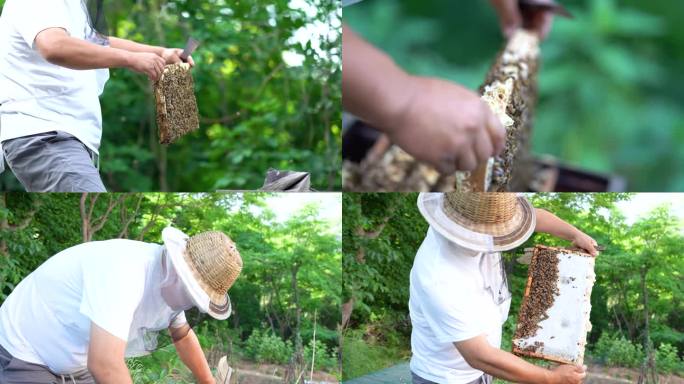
pixel 549 223
pixel 132 46
pixel 374 87
pixel 191 354
pixel 506 366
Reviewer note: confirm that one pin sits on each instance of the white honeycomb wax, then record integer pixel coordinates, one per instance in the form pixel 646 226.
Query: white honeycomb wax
pixel 564 332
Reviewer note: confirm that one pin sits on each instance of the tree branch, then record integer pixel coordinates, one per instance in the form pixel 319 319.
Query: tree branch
pixel 127 221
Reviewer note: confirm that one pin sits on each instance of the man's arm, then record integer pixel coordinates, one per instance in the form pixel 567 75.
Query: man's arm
pixel 436 121
pixel 549 223
pixel 170 55
pixel 191 354
pixel 132 46
pixel 106 357
pixel 482 356
pixel 57 47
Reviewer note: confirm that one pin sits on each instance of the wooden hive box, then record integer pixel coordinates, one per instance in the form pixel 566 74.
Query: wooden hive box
pixel 554 317
pixel 177 113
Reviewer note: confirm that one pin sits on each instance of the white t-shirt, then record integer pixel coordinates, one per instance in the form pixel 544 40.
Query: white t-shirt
pixel 453 297
pixel 37 96
pixel 115 284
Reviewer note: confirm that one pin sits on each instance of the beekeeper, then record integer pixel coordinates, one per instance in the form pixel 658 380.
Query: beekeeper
pixel 459 297
pixel 54 60
pixel 76 317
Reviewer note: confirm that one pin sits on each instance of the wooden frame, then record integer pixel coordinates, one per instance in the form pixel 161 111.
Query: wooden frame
pixel 526 295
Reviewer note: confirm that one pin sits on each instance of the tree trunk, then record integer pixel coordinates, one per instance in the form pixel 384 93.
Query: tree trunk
pixel 347 309
pixel 91 225
pixel 649 363
pixel 296 366
pixel 510 90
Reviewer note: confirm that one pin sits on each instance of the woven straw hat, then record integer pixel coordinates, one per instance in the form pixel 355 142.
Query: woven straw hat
pixel 484 222
pixel 208 264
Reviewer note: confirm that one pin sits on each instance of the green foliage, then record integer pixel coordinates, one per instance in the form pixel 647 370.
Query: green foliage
pixel 610 95
pixel 324 358
pixel 361 356
pixel 258 107
pixel 163 366
pixel 380 235
pixel 668 360
pixel 616 351
pixel 267 347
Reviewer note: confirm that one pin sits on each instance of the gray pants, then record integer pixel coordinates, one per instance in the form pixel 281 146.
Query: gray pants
pixel 15 371
pixel 484 379
pixel 53 162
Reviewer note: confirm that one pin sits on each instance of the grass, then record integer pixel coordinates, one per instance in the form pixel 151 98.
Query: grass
pixel 360 356
pixel 163 366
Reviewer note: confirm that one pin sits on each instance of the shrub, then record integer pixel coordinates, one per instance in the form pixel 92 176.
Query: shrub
pixel 668 360
pixel 615 350
pixel 326 359
pixel 267 347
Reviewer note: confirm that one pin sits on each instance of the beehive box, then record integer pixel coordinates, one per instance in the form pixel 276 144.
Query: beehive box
pixel 177 113
pixel 554 317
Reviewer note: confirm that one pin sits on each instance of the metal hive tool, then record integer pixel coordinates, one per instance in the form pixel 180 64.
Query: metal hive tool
pixel 553 321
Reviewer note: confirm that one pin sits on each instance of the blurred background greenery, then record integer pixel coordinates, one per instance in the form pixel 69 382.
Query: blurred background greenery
pixel 611 96
pixel 268 88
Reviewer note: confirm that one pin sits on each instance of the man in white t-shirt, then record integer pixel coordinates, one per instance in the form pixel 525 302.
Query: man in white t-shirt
pixel 76 317
pixel 54 60
pixel 459 297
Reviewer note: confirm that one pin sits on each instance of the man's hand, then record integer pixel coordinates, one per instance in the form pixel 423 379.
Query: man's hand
pixel 106 357
pixel 172 56
pixel 446 125
pixel 147 63
pixel 549 223
pixel 436 121
pixel 568 374
pixel 584 241
pixel 511 19
pixel 482 356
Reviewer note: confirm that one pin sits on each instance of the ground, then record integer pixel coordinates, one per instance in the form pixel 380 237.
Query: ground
pixel 251 373
pixel 400 374
pixel 614 375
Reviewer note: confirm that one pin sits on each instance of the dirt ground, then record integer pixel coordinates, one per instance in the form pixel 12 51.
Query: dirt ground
pixel 250 373
pixel 606 375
